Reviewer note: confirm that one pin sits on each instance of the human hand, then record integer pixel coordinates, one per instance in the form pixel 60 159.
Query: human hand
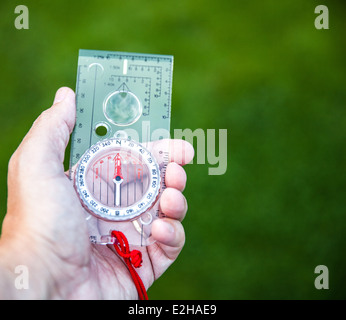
pixel 45 227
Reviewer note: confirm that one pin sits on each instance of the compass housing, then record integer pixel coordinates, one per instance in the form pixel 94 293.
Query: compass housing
pixel 117 180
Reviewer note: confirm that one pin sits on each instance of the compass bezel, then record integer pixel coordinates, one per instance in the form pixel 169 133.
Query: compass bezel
pixel 114 214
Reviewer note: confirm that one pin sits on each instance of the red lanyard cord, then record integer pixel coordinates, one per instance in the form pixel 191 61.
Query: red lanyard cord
pixel 133 259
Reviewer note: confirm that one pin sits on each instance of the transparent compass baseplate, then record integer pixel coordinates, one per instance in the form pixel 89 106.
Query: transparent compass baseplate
pixel 119 183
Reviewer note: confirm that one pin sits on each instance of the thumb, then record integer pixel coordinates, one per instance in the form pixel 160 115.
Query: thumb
pixel 43 148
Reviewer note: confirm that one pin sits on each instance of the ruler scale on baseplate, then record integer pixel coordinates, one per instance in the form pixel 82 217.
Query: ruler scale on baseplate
pixel 123 106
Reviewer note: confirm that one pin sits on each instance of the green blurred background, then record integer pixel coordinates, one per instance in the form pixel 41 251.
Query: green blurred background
pixel 257 68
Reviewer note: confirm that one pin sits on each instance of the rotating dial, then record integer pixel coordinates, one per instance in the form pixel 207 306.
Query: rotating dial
pixel 117 180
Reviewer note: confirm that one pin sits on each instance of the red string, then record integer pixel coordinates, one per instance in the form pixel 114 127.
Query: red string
pixel 132 259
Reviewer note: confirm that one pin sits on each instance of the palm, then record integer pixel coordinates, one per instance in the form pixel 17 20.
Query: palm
pixel 91 271
pixel 110 276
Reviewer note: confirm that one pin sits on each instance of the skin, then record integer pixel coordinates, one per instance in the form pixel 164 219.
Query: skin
pixel 45 228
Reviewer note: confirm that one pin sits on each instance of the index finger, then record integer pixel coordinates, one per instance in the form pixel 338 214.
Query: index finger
pixel 172 150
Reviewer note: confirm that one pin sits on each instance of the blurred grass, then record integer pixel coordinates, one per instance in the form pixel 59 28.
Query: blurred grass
pixel 259 69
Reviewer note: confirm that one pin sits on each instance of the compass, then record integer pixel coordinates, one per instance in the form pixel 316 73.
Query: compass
pixel 118 180
pixel 123 103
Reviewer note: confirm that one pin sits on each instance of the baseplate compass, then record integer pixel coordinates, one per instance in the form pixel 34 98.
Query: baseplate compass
pixel 123 106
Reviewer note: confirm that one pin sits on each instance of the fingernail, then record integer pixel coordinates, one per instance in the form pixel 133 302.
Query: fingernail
pixel 185 204
pixel 60 95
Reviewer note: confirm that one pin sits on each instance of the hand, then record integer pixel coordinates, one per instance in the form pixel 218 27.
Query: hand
pixel 45 228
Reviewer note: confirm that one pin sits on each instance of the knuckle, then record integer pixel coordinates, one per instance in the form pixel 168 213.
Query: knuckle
pixel 43 117
pixel 14 164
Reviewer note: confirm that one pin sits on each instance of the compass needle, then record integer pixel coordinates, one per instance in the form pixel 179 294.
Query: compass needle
pixel 117 179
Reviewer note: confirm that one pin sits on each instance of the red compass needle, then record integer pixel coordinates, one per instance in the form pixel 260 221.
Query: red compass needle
pixel 117 179
pixel 117 171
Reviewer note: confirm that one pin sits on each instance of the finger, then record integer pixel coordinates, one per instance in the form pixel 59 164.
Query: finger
pixel 179 151
pixel 171 236
pixel 44 145
pixel 175 176
pixel 173 204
